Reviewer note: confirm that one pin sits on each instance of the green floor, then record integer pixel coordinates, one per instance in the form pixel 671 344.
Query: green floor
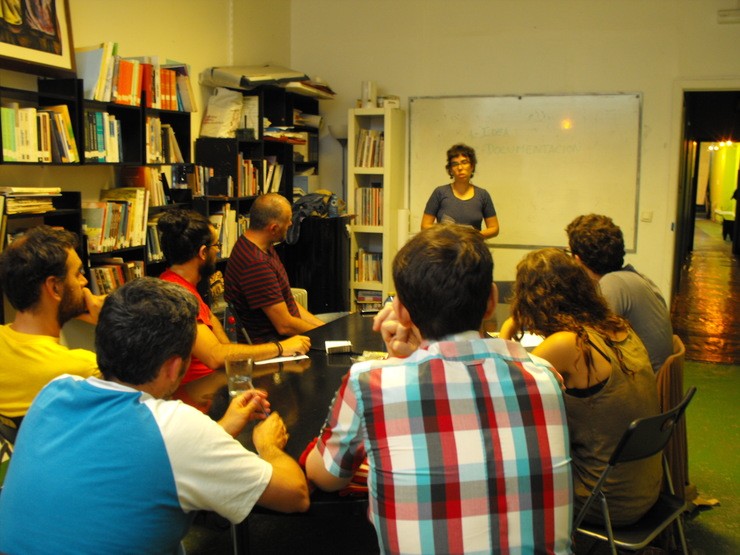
pixel 714 465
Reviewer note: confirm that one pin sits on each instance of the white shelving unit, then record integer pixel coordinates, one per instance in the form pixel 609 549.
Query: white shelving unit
pixel 375 194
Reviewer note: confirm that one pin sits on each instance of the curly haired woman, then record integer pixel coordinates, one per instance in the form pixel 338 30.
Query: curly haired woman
pixel 606 373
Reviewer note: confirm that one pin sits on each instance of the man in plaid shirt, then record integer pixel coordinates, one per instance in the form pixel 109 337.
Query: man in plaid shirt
pixel 466 437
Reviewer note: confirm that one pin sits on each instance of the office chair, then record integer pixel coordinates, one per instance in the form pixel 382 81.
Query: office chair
pixel 643 438
pixel 8 432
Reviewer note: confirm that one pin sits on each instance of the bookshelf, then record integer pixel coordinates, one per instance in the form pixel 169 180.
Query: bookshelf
pixel 375 160
pixel 226 157
pixel 141 146
pixel 91 124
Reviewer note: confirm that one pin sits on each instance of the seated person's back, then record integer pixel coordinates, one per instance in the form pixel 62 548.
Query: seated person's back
pixel 465 438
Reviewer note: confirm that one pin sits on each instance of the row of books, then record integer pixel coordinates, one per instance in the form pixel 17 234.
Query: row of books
pixel 34 135
pixel 368 301
pixel 108 274
pixel 23 200
pixel 118 220
pixel 153 180
pixel 229 225
pixel 368 266
pixel 369 149
pixel 161 146
pixel 248 183
pixel 102 137
pixel 108 77
pixel 369 205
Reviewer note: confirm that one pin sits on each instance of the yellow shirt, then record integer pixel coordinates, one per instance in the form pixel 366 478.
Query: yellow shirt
pixel 28 362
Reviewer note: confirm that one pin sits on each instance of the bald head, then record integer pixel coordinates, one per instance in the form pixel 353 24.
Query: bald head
pixel 269 209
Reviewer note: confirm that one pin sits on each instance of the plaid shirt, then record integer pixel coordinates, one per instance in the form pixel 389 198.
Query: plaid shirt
pixel 467 444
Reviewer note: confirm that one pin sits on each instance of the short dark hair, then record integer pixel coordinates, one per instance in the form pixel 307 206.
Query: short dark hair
pixel 141 325
pixel 30 259
pixel 444 276
pixel 265 210
pixel 598 242
pixel 182 234
pixel 460 149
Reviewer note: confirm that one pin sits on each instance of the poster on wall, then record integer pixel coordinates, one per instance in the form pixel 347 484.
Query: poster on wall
pixel 36 37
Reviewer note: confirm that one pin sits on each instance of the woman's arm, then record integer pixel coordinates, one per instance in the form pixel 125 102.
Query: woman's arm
pixel 427 220
pixel 491 229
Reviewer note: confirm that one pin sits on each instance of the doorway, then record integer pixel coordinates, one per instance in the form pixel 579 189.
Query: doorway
pixel 706 284
pixel 710 117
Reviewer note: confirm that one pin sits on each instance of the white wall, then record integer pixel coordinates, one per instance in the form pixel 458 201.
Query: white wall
pixel 498 47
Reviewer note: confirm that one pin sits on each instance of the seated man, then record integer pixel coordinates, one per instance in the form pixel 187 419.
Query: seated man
pixel 466 438
pixel 255 282
pixel 597 242
pixel 42 276
pixel 110 466
pixel 190 245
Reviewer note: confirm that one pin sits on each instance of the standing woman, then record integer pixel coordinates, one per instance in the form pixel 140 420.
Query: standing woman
pixel 461 202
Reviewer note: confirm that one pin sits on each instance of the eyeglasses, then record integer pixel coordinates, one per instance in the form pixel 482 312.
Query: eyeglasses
pixel 460 163
pixel 217 245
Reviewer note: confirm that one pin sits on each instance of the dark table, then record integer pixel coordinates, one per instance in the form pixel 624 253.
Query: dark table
pixel 301 391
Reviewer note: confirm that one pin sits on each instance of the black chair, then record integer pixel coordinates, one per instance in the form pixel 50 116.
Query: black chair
pixel 644 438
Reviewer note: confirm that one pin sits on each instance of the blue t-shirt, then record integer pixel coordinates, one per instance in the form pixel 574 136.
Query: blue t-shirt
pixel 446 207
pixel 99 467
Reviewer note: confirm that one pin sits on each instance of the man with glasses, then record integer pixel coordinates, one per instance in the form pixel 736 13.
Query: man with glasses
pixel 190 245
pixel 256 283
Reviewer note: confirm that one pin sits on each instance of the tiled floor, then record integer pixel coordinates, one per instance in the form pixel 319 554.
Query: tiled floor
pixel 706 311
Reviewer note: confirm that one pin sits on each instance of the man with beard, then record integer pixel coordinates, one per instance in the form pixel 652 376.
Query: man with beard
pixel 256 283
pixel 42 276
pixel 132 467
pixel 190 244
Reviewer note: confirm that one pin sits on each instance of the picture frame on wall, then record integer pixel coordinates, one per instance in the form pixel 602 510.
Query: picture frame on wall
pixel 36 37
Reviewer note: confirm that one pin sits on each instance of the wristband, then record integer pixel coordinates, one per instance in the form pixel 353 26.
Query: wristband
pixel 279 348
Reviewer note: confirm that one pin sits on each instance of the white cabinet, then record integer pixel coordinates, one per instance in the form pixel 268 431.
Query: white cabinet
pixel 375 177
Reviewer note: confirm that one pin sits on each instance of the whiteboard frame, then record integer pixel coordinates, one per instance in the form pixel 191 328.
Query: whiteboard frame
pixel 631 247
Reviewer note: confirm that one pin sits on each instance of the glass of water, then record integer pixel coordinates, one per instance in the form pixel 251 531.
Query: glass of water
pixel 239 370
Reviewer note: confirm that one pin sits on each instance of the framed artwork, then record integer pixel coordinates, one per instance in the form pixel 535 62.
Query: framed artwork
pixel 36 37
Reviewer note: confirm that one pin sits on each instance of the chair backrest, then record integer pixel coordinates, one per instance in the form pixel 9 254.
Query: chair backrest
pixel 647 436
pixel 670 377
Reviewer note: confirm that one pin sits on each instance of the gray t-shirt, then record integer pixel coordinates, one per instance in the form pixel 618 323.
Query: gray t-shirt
pixel 446 207
pixel 636 298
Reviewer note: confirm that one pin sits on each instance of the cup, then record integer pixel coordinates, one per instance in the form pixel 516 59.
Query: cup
pixel 239 370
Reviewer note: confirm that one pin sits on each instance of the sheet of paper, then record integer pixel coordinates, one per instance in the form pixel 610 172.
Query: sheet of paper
pixel 280 359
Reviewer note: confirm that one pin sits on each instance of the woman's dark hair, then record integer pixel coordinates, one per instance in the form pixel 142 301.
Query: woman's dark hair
pixel 461 149
pixel 182 233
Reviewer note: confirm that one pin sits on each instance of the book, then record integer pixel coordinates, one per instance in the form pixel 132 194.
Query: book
pixel 123 90
pixel 94 214
pixel 43 123
pixel 10 190
pixel 67 130
pixel 134 231
pixel 8 122
pixel 92 67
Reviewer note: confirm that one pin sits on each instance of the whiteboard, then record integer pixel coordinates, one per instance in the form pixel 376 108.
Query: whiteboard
pixel 543 159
